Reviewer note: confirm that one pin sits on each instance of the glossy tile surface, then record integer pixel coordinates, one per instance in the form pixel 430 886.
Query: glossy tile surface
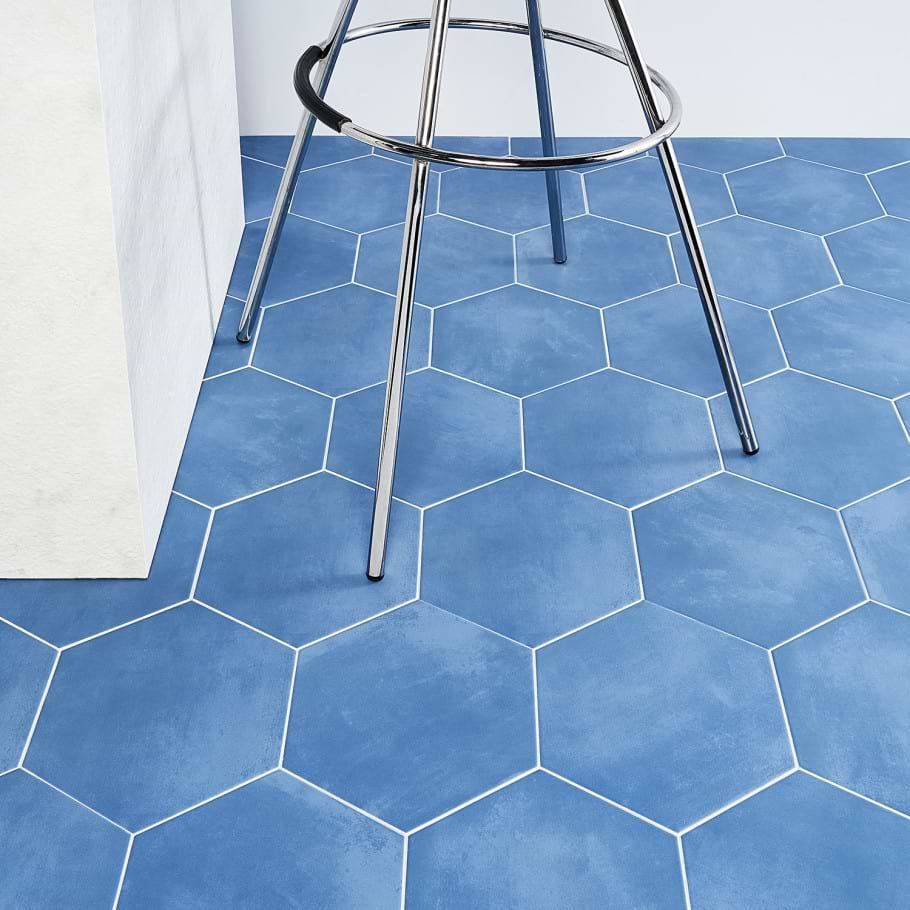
pixel 412 714
pixel 573 851
pixel 661 714
pixel 146 721
pixel 552 488
pixel 277 842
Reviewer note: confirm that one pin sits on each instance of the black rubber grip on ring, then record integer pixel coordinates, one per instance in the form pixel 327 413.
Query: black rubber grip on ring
pixel 309 96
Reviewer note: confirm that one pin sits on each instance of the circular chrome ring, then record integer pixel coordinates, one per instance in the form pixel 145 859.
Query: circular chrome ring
pixel 466 159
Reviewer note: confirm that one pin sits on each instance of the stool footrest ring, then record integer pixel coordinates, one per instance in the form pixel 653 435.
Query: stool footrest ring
pixel 341 123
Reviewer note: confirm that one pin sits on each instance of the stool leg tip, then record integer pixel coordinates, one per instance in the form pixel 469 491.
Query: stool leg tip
pixel 375 577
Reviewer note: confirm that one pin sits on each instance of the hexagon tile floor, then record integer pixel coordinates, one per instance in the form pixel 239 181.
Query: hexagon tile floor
pixel 614 664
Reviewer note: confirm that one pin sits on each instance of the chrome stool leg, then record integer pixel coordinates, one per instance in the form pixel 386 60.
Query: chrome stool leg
pixel 334 42
pixel 690 233
pixel 407 283
pixel 547 127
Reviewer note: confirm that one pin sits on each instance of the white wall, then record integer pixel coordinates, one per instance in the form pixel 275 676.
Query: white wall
pixel 121 210
pixel 744 68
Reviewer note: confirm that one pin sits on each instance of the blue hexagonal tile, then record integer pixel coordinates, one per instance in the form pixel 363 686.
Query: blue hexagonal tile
pixel 819 440
pixel 893 188
pixel 56 853
pixel 801 844
pixel 746 559
pixel 804 195
pixel 456 260
pixel 454 435
pixel 62 611
pixel 337 341
pixel 880 528
pixel 875 256
pixel 661 714
pixel 636 193
pixel 760 263
pixel 518 340
pixel 508 201
pixel 727 154
pixel 608 262
pixel 276 842
pixel 260 186
pixel 310 257
pixel 293 561
pixel 226 353
pixel 153 718
pixel 360 195
pixel 845 687
pixel 412 714
pixel 541 843
pixel 535 559
pixel 250 432
pixel 531 146
pixel 860 155
pixel 321 151
pixel 663 336
pixel 850 336
pixel 25 665
pixel 619 437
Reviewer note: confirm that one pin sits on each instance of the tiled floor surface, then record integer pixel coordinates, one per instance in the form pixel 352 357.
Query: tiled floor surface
pixel 613 664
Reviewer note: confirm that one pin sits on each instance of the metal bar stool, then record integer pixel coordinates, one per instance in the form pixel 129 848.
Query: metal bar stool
pixel 311 90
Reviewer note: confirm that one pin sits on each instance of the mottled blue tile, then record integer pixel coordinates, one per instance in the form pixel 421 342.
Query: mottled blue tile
pixel 250 432
pixel 661 714
pixel 800 845
pixel 260 186
pixel 760 263
pixel 411 714
pixel 153 718
pixel 893 188
pixel 456 260
pixel 454 435
pixel 518 340
pixel 227 353
pixel 322 150
pixel 880 530
pixel 360 195
pixel 636 193
pixel 875 256
pixel 746 559
pixel 803 195
pixel 275 843
pixel 535 559
pixel 664 336
pixel 475 145
pixel 293 561
pixel 725 154
pixel 55 852
pixel 337 341
pixel 310 257
pixel 845 688
pixel 619 437
pixel 538 844
pixel 860 155
pixel 850 336
pixel 63 611
pixel 24 668
pixel 818 440
pixel 506 200
pixel 531 147
pixel 608 262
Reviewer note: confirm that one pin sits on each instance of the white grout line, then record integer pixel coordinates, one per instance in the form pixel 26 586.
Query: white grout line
pixel 123 625
pixel 740 799
pixel 863 498
pixel 358 809
pixel 277 486
pixel 190 498
pixel 586 625
pixel 609 802
pixel 287 715
pixel 865 799
pixel 69 796
pixel 521 431
pixel 817 625
pixel 569 486
pixel 323 223
pixel 122 879
pixel 245 625
pixel 421 523
pixel 38 710
pixel 404 869
pixel 640 505
pixel 534 684
pixel 682 870
pixel 24 631
pixel 559 385
pixel 287 300
pixel 852 551
pixel 356 625
pixel 328 435
pixel 292 382
pixel 480 486
pixel 201 557
pixel 783 708
pixel 482 385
